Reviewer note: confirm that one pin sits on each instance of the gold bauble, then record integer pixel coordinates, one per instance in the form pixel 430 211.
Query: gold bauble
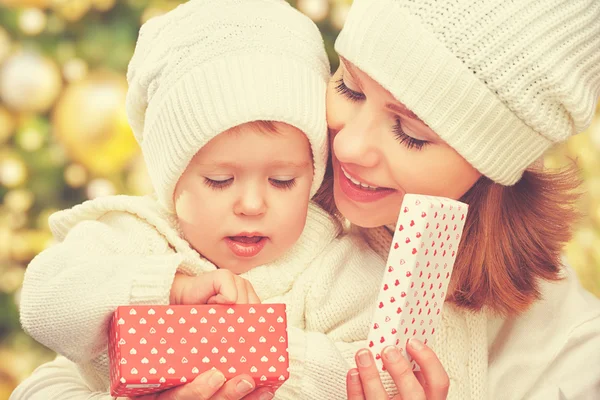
pixel 19 200
pixel 339 13
pixel 90 121
pixel 5 44
pixel 7 124
pixel 26 3
pixel 11 279
pixel 27 243
pixel 13 171
pixel 29 82
pixel 103 5
pixel 5 241
pixel 75 175
pixel 71 10
pixel 316 10
pixel 32 21
pixel 75 69
pixel 100 188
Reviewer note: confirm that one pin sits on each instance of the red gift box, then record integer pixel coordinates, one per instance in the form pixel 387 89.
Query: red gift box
pixel 153 348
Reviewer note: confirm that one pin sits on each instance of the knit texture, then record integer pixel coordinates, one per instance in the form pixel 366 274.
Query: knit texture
pixel 211 65
pixel 126 250
pixel 564 326
pixel 500 81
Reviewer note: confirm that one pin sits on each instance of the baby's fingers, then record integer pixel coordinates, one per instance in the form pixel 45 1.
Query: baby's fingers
pixel 211 287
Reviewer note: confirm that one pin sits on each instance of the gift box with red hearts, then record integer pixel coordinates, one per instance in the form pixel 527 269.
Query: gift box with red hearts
pixel 153 348
pixel 419 267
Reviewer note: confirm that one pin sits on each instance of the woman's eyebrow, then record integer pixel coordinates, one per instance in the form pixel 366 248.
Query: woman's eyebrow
pixel 351 70
pixel 401 109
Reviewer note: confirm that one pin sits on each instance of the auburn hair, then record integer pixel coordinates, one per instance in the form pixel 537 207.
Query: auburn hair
pixel 513 237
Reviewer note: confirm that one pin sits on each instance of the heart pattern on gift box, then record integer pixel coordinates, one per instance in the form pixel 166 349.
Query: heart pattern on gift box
pixel 418 271
pixel 173 344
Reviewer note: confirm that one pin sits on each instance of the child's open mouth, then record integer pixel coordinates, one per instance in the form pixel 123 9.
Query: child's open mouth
pixel 246 246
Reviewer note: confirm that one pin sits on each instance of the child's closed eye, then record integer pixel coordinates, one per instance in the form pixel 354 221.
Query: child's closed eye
pixel 283 183
pixel 218 183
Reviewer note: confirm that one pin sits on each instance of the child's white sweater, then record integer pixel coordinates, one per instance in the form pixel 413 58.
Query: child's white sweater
pixel 126 250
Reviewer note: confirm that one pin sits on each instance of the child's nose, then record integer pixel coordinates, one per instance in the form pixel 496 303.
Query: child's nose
pixel 251 203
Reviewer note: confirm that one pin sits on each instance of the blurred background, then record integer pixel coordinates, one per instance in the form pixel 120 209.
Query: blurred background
pixel 64 137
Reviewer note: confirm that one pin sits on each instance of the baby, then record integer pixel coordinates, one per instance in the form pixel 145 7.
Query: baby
pixel 227 101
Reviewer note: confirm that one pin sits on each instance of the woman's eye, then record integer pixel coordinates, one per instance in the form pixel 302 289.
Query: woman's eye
pixel 283 184
pixel 218 183
pixel 345 91
pixel 409 141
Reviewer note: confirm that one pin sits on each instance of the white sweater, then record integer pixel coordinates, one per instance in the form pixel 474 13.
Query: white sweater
pixel 555 346
pixel 125 250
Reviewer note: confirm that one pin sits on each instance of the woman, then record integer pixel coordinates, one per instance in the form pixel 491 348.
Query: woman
pixel 460 99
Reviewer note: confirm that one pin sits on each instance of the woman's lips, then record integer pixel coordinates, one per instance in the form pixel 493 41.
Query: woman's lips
pixel 358 191
pixel 246 246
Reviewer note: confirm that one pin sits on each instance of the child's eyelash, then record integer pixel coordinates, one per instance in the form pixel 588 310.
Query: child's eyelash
pixel 408 141
pixel 283 184
pixel 345 91
pixel 217 185
pixel 220 185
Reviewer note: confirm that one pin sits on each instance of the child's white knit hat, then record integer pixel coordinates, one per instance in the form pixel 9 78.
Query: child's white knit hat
pixel 500 81
pixel 210 65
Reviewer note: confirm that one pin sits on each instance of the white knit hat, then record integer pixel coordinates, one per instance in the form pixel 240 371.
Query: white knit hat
pixel 210 65
pixel 500 81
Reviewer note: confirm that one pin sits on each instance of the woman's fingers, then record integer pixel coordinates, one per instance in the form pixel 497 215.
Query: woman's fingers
pixel 401 372
pixel 434 378
pixel 353 385
pixel 369 375
pixel 235 388
pixel 211 385
pixel 260 394
pixel 202 388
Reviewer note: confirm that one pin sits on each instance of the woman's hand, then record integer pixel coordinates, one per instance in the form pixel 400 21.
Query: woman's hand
pixel 211 385
pixel 431 383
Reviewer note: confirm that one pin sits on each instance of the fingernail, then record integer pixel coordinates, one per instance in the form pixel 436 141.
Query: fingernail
pixel 266 396
pixel 243 386
pixel 354 376
pixel 216 379
pixel 416 344
pixel 391 353
pixel 364 358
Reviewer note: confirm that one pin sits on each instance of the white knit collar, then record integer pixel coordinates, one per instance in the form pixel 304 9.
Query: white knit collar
pixel 268 280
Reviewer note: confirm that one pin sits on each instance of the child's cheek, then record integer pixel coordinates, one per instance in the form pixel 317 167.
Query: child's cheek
pixel 184 208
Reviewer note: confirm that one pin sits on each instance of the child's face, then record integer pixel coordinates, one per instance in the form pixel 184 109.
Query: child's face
pixel 243 199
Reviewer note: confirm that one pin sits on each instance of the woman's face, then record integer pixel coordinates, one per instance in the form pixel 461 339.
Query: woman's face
pixel 381 151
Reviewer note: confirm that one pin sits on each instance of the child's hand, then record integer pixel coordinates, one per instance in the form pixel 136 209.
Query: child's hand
pixel 215 287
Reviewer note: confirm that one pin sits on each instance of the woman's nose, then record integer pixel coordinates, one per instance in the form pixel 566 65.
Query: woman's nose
pixel 357 142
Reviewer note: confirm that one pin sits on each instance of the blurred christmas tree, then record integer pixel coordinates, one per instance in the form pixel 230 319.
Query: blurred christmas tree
pixel 64 137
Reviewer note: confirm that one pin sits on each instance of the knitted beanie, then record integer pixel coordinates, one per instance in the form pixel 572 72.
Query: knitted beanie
pixel 498 80
pixel 210 65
